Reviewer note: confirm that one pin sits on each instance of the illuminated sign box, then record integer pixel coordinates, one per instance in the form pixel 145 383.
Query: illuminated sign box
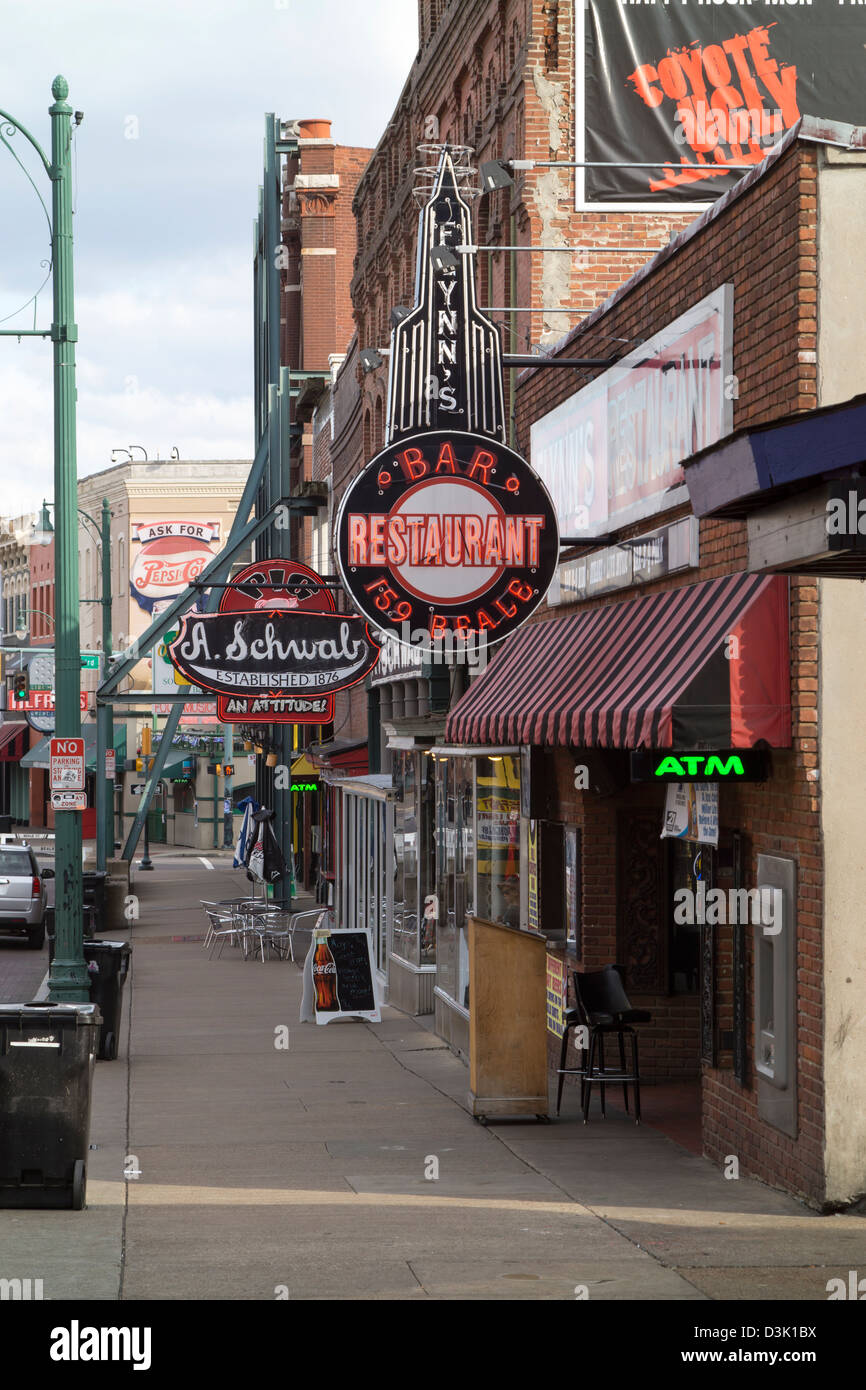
pixel 703 765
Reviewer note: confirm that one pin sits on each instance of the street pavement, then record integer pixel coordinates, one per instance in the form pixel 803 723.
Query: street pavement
pixel 224 1166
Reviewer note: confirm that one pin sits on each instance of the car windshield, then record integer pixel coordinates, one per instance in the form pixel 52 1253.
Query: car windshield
pixel 15 862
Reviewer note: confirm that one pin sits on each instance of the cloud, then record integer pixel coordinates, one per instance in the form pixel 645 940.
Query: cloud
pixel 163 220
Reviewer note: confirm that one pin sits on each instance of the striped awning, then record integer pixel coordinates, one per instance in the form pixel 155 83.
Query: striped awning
pixel 11 740
pixel 703 666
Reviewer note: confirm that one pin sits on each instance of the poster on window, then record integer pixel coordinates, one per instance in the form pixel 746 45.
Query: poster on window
pixel 555 994
pixel 532 920
pixel 692 89
pixel 692 812
pixel 572 886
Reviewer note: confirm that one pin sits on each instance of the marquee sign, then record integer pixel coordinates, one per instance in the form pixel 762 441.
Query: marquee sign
pixel 277 650
pixel 447 530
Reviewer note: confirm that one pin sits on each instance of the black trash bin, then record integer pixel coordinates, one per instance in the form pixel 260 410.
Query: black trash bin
pixel 111 962
pixel 5 825
pixel 47 1053
pixel 93 883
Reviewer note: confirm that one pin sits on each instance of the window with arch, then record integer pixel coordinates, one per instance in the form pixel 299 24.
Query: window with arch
pixel 380 427
pixel 368 436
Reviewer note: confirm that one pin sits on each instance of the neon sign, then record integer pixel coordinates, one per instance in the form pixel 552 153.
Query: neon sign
pixel 731 765
pixel 446 530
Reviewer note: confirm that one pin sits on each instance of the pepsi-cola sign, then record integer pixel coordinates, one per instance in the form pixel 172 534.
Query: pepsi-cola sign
pixel 447 532
pixel 277 650
pixel 172 556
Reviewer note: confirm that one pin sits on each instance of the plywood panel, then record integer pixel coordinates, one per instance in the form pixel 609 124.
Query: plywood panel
pixel 507 1037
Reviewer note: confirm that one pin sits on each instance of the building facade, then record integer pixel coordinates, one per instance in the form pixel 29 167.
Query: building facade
pixel 674 634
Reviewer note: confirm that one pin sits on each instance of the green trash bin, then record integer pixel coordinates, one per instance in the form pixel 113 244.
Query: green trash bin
pixel 47 1054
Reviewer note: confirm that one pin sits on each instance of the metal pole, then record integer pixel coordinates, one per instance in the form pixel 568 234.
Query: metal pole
pixel 228 758
pixel 146 862
pixel 104 717
pixel 108 782
pixel 69 981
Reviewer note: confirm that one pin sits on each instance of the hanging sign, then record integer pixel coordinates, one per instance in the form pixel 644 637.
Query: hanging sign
pixel 692 812
pixel 691 89
pixel 277 650
pixel 447 532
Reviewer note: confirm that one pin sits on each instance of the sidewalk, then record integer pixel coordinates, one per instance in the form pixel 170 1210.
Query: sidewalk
pixel 304 1169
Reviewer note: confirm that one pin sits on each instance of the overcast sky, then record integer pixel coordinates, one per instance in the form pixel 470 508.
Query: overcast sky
pixel 168 161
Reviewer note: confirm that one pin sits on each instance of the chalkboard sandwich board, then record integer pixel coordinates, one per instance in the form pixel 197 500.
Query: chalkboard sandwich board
pixel 339 980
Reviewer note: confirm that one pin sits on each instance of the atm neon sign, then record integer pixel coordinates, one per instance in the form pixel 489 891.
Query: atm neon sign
pixel 697 765
pixel 728 765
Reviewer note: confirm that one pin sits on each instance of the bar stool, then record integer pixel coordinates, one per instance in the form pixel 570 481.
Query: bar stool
pixel 604 1008
pixel 578 1019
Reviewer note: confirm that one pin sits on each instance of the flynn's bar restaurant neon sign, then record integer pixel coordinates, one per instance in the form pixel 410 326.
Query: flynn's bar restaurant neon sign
pixel 447 532
pixel 447 529
pixel 742 765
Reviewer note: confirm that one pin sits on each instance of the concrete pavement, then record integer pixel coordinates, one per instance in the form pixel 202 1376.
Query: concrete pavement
pixel 307 1172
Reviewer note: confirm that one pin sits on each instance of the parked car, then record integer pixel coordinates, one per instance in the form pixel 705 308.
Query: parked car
pixel 23 894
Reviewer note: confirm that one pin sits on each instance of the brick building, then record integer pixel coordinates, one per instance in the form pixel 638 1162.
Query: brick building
pixel 498 78
pixel 763 1020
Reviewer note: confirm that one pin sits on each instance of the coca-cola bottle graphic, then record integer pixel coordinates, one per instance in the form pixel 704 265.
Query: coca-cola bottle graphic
pixel 325 976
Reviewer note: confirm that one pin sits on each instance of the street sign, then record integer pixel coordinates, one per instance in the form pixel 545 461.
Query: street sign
pixel 67 765
pixel 110 763
pixel 90 663
pixel 69 801
pixel 137 788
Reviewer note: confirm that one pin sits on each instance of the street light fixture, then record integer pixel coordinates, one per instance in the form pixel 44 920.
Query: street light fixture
pixel 371 358
pixel 443 258
pixel 42 532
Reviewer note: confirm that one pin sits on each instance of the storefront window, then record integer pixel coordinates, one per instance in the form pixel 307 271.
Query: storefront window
pixel 499 839
pixel 368 869
pixel 406 944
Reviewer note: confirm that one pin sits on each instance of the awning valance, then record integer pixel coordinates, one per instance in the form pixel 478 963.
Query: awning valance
pixel 706 665
pixel 40 754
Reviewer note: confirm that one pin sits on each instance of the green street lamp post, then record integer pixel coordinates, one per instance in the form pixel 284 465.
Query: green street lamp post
pixel 43 534
pixel 68 981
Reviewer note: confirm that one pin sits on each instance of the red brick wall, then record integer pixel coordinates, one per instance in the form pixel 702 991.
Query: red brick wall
pixel 763 243
pixel 486 75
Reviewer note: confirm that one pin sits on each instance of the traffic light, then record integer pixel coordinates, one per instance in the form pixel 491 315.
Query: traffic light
pixel 21 686
pixel 139 764
pixel 146 739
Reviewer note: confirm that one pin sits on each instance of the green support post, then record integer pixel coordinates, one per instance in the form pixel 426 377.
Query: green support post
pixel 104 713
pixel 68 982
